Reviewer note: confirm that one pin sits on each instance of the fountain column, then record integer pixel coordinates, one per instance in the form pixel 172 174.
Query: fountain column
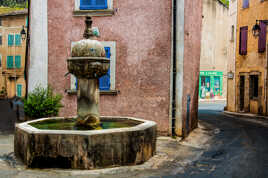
pixel 88 102
pixel 88 63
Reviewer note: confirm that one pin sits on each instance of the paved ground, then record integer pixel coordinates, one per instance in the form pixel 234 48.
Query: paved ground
pixel 224 146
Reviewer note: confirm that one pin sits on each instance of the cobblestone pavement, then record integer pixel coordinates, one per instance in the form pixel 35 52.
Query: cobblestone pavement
pixel 173 155
pixel 223 146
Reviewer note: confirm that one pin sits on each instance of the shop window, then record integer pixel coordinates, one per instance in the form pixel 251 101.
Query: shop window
pixel 217 89
pixel 253 86
pixel 1 40
pixel 205 87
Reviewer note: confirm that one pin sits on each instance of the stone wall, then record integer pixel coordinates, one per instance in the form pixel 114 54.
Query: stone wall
pixel 142 32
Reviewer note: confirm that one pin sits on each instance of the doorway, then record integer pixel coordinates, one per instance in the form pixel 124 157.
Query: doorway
pixel 242 92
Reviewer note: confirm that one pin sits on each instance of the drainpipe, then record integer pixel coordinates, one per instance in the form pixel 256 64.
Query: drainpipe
pixel 27 49
pixel 174 68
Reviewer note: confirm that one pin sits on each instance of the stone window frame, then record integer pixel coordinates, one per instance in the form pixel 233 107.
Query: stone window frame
pixel 100 12
pixel 112 91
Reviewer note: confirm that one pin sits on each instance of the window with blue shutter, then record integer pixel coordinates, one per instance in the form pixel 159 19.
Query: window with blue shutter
pixel 9 62
pixel 104 81
pixel 17 40
pixel 19 90
pixel 10 40
pixel 245 3
pixel 18 61
pixel 93 4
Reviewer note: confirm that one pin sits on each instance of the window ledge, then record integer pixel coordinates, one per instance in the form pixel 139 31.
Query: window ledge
pixel 108 92
pixel 103 12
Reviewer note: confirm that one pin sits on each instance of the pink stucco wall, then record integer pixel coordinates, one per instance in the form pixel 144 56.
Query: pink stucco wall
pixel 142 31
pixel 192 49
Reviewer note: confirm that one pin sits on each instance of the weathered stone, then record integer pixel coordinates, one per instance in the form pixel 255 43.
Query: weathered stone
pixel 85 149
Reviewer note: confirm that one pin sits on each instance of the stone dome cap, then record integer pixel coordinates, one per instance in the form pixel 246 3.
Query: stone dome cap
pixel 88 48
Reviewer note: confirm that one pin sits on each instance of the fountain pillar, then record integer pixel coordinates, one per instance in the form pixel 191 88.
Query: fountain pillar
pixel 88 103
pixel 88 63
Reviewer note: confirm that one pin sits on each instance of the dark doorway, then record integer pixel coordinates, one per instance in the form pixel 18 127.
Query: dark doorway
pixel 7 117
pixel 242 92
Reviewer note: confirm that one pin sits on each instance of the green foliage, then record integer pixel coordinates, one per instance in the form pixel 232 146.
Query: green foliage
pixel 226 2
pixel 42 102
pixel 14 3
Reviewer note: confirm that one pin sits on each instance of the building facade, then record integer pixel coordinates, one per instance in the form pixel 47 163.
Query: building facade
pixel 12 53
pixel 231 56
pixel 152 62
pixel 251 57
pixel 214 47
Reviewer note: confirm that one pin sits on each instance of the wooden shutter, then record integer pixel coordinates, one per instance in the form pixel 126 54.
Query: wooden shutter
pixel 17 40
pixel 104 81
pixel 9 62
pixel 243 40
pixel 262 38
pixel 245 3
pixel 18 61
pixel 93 4
pixel 10 40
pixel 19 90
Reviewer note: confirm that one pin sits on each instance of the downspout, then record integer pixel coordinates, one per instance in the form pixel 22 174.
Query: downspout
pixel 174 68
pixel 27 49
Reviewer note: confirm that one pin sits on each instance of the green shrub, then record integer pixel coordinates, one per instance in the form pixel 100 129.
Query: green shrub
pixel 42 102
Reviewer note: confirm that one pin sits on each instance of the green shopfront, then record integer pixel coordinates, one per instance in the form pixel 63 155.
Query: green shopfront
pixel 210 84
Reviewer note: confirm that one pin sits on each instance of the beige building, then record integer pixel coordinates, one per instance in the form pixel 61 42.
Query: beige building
pixel 214 45
pixel 12 53
pixel 251 61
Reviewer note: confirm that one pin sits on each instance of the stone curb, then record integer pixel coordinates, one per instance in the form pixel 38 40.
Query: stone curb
pixel 248 115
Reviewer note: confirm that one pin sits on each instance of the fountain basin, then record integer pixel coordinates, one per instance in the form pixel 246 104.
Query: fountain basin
pixel 86 149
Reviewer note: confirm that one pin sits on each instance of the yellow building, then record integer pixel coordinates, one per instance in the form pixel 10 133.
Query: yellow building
pixel 251 57
pixel 12 53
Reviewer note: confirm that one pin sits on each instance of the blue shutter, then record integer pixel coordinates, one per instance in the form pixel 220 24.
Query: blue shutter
pixel 10 40
pixel 9 62
pixel 17 40
pixel 26 21
pixel 18 61
pixel 19 90
pixel 104 81
pixel 93 4
pixel 245 3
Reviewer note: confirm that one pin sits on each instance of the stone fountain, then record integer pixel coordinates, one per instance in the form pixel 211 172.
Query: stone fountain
pixel 87 141
pixel 88 64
